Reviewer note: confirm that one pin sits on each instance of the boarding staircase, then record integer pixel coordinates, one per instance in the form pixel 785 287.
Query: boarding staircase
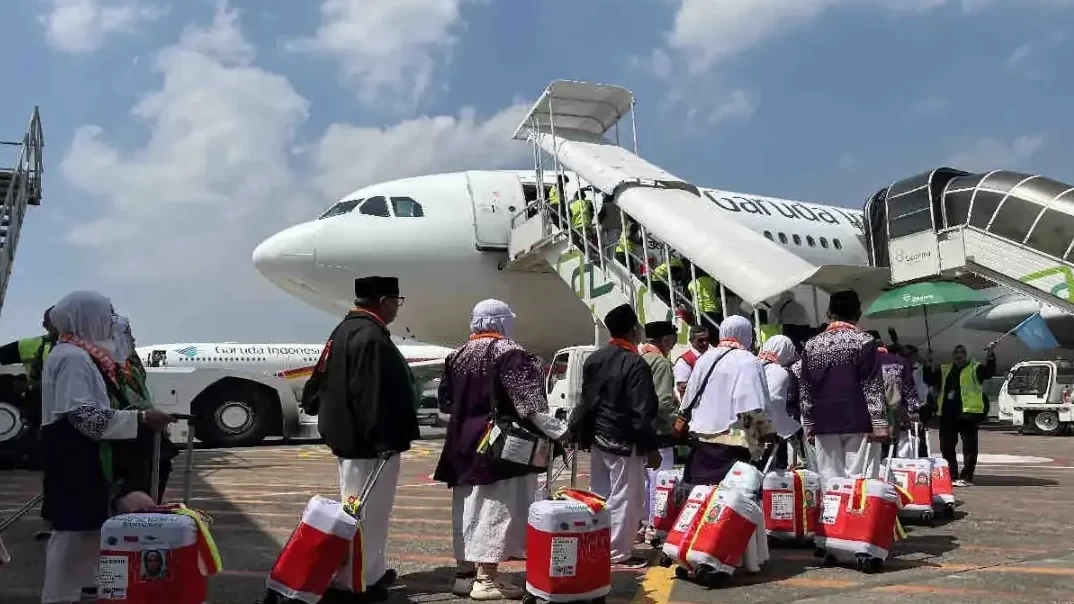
pixel 1013 229
pixel 20 186
pixel 575 126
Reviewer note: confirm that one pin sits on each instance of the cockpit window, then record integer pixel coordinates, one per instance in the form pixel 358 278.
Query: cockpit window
pixel 375 206
pixel 406 207
pixel 341 208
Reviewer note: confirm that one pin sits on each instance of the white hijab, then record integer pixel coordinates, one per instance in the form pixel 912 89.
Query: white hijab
pixel 492 316
pixel 86 315
pixel 738 384
pixel 780 354
pixel 122 340
pixel 69 377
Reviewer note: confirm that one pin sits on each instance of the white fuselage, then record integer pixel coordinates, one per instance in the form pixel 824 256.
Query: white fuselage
pixel 443 275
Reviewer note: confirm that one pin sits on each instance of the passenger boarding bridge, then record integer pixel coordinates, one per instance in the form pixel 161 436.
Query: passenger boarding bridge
pixel 1014 229
pixel 569 127
pixel 20 186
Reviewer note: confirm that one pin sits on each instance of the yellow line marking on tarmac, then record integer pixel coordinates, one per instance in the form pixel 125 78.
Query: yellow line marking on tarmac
pixel 656 586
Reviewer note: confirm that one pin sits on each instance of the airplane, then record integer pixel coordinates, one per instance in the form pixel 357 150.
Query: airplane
pixel 423 230
pixel 293 362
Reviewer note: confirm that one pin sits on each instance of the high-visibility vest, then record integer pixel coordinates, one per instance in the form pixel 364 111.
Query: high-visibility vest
pixel 972 394
pixel 30 350
pixel 768 330
pixel 625 244
pixel 581 212
pixel 553 196
pixel 704 289
pixel 661 272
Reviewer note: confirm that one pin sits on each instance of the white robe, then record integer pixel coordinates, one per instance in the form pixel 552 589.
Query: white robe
pixel 621 481
pixel 846 456
pixel 489 520
pixel 376 516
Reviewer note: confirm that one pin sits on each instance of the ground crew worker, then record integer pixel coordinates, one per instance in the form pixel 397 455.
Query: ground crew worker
pixel 699 343
pixel 706 291
pixel 666 275
pixel 555 193
pixel 962 407
pixel 581 215
pixel 625 246
pixel 31 354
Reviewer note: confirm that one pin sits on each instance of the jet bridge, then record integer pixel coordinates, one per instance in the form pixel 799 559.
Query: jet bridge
pixel 577 126
pixel 20 186
pixel 1011 228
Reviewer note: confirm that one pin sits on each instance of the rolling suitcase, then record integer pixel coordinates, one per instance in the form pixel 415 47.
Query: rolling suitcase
pixel 943 489
pixel 568 545
pixel 914 476
pixel 163 556
pixel 327 536
pixel 791 500
pixel 677 543
pixel 668 499
pixel 723 537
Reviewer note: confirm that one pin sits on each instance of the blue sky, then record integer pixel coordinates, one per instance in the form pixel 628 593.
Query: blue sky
pixel 179 135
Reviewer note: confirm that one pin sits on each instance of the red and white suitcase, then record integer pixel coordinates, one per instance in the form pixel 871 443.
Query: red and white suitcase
pixel 313 554
pixel 677 544
pixel 668 499
pixel 316 555
pixel 791 501
pixel 568 546
pixel 729 522
pixel 943 490
pixel 746 477
pixel 163 556
pixel 914 476
pixel 857 521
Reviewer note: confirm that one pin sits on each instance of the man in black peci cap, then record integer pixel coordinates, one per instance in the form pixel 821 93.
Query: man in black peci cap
pixel 363 394
pixel 615 421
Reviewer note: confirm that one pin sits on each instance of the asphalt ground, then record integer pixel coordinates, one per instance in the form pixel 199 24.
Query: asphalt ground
pixel 1013 540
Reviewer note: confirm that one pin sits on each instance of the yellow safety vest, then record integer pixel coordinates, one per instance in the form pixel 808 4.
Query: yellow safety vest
pixel 972 395
pixel 704 289
pixel 28 349
pixel 661 272
pixel 553 196
pixel 581 212
pixel 768 330
pixel 625 244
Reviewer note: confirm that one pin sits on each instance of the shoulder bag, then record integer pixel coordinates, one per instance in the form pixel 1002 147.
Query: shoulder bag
pixel 680 430
pixel 506 442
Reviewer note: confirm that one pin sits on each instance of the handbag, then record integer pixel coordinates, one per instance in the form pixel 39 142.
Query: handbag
pixel 506 442
pixel 680 429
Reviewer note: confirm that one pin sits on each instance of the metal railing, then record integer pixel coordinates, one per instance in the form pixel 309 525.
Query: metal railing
pixel 23 188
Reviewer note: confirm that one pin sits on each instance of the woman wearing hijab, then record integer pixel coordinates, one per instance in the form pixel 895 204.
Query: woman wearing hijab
pixel 725 400
pixel 490 502
pixel 777 355
pixel 78 424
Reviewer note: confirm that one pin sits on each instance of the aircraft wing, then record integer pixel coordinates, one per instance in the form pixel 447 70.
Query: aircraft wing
pixel 427 370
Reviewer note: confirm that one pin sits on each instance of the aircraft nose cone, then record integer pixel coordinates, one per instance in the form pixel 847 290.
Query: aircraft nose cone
pixel 289 254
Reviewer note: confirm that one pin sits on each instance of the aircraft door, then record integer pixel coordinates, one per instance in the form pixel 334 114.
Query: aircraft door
pixel 496 197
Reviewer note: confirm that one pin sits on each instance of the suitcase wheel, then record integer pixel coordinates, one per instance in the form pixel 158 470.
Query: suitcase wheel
pixel 529 598
pixel 929 518
pixel 600 600
pixel 830 560
pixel 665 560
pixel 710 577
pixel 949 510
pixel 682 573
pixel 820 553
pixel 656 542
pixel 868 564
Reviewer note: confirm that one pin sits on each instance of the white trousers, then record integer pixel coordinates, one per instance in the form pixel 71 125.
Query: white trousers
pixel 70 565
pixel 376 516
pixel 846 456
pixel 667 461
pixel 489 520
pixel 907 447
pixel 620 480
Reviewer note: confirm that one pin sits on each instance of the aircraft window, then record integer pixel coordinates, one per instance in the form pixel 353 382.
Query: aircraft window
pixel 823 243
pixel 768 234
pixel 838 244
pixel 783 238
pixel 341 208
pixel 375 206
pixel 406 207
pixel 812 242
pixel 1053 233
pixel 797 239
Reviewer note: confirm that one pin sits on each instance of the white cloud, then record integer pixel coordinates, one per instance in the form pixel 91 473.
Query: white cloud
pixel 349 156
pixel 1019 56
pixel 740 104
pixel 997 154
pixel 221 168
pixel 386 47
pixel 927 108
pixel 79 26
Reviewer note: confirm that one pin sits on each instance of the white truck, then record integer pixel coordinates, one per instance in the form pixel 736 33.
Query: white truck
pixel 1036 396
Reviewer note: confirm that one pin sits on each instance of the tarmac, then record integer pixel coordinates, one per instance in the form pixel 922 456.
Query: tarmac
pixel 1012 540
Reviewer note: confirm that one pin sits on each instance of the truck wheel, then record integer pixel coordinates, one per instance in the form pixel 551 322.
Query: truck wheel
pixel 1046 422
pixel 233 417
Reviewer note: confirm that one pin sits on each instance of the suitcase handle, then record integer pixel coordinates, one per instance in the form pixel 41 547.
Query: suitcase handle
pixel 367 488
pixel 19 513
pixel 188 472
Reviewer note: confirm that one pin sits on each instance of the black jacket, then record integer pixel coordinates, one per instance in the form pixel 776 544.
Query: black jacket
pixel 361 391
pixel 618 405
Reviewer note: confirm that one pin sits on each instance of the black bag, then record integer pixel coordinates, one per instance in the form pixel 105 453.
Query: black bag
pixel 506 440
pixel 680 429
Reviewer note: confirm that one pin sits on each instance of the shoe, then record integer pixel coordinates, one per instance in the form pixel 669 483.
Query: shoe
pixel 464 583
pixel 632 563
pixel 960 483
pixel 486 588
pixel 387 579
pixel 43 535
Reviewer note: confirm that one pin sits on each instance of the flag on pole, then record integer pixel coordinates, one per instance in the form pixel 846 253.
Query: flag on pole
pixel 1035 333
